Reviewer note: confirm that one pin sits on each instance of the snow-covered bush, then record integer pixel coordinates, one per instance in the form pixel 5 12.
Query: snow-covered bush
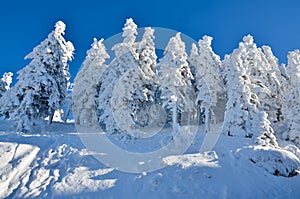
pixel 42 84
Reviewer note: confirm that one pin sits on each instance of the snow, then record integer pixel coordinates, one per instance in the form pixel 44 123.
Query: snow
pixel 150 142
pixel 55 164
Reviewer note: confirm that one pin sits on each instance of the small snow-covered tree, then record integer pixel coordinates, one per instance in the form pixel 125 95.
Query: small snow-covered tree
pixel 292 98
pixel 243 115
pixel 5 82
pixel 87 82
pixel 175 80
pixel 42 84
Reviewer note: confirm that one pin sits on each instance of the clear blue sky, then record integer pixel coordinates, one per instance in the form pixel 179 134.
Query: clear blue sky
pixel 24 24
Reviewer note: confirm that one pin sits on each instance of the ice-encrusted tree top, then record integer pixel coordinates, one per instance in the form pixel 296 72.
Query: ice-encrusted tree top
pixel 194 55
pixel 293 68
pixel 175 57
pixel 147 55
pixel 97 53
pixel 129 31
pixel 129 36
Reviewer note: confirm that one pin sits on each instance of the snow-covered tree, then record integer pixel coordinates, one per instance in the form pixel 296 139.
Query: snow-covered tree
pixel 143 85
pixel 243 115
pixel 292 98
pixel 263 70
pixel 87 82
pixel 129 36
pixel 42 84
pixel 175 79
pixel 125 62
pixel 146 53
pixel 277 79
pixel 109 81
pixel 199 85
pixel 5 82
pixel 210 86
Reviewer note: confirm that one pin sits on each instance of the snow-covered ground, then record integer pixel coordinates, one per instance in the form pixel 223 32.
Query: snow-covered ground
pixel 55 164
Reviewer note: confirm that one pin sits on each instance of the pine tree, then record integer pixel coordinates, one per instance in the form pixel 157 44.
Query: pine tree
pixel 124 64
pixel 147 56
pixel 263 70
pixel 277 80
pixel 291 103
pixel 143 85
pixel 42 84
pixel 87 82
pixel 128 87
pixel 211 93
pixel 110 80
pixel 177 92
pixel 243 115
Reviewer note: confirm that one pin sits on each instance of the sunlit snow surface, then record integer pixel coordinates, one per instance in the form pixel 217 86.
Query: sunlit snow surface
pixel 55 164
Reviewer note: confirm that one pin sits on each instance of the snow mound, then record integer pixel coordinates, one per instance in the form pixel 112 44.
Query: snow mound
pixel 208 159
pixel 278 162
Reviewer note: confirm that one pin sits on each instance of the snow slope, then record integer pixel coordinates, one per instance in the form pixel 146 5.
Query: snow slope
pixel 54 164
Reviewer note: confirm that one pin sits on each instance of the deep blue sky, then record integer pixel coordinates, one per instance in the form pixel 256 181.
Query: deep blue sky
pixel 24 24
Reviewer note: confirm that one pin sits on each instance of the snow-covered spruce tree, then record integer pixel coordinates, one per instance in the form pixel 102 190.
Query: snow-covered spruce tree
pixel 243 117
pixel 125 60
pixel 292 98
pixel 199 86
pixel 5 82
pixel 211 93
pixel 175 80
pixel 263 70
pixel 141 83
pixel 42 84
pixel 146 54
pixel 278 80
pixel 87 82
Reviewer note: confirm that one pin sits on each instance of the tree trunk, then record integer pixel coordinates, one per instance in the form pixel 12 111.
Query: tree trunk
pixel 51 116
